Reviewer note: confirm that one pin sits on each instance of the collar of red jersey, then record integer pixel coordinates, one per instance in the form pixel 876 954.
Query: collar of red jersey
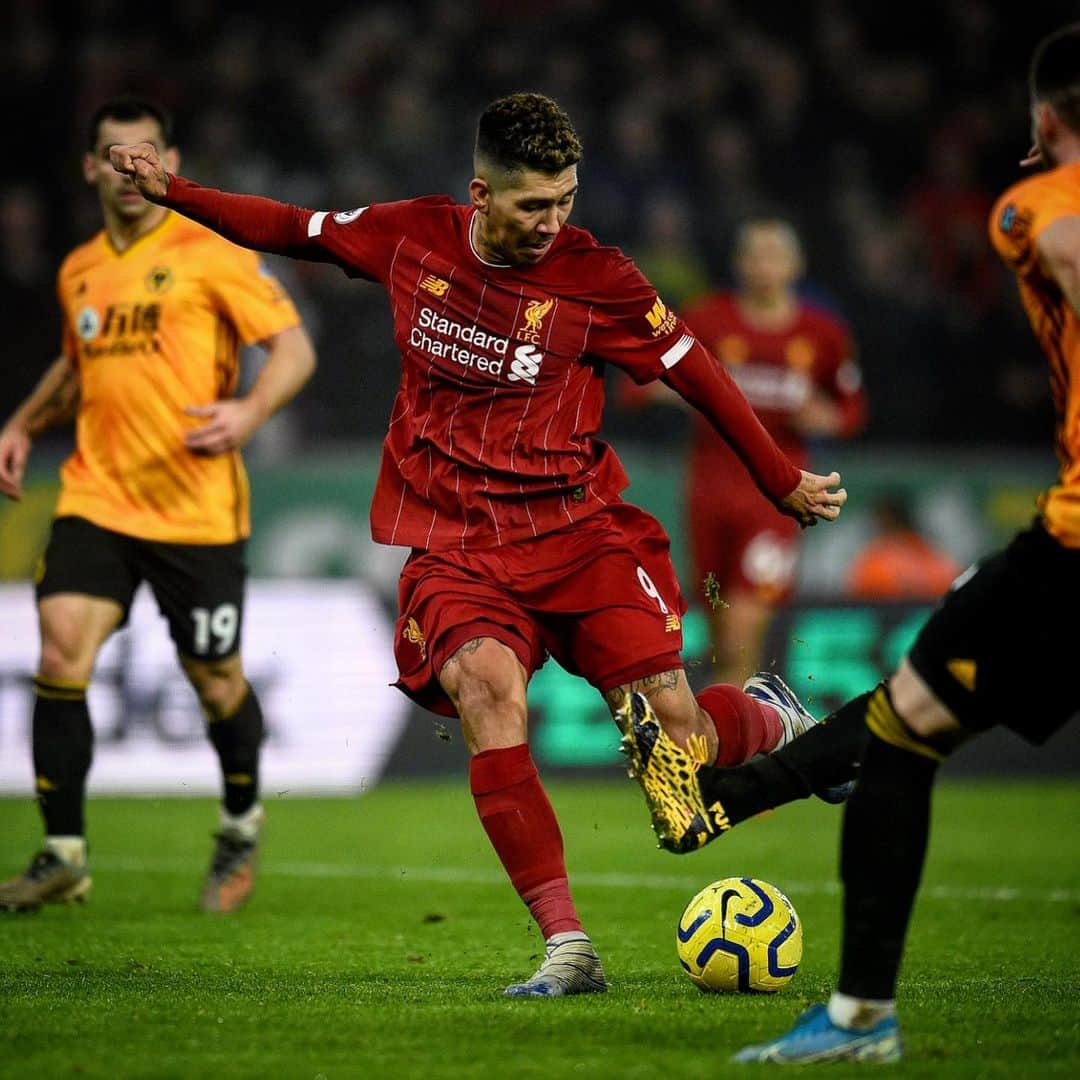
pixel 472 248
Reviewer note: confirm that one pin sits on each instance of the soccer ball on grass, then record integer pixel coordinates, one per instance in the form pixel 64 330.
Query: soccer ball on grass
pixel 740 935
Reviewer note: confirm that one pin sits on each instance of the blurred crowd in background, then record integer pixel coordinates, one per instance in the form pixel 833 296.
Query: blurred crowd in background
pixel 883 132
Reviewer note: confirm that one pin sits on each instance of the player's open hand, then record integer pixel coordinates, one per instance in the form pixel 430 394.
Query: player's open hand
pixel 141 162
pixel 229 424
pixel 14 450
pixel 816 498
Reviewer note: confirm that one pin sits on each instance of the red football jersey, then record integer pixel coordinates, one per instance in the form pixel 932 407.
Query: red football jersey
pixel 777 370
pixel 492 436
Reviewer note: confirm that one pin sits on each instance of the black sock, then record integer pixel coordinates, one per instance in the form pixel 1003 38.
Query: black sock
pixel 63 746
pixel 886 826
pixel 826 755
pixel 237 739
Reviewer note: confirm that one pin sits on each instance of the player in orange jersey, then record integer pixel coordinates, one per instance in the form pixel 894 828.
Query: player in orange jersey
pixel 1001 630
pixel 154 310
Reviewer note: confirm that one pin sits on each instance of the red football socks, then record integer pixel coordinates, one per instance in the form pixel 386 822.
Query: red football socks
pixel 744 726
pixel 521 825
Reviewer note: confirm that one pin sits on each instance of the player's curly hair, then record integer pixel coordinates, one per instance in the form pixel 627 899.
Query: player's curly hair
pixel 526 131
pixel 1055 73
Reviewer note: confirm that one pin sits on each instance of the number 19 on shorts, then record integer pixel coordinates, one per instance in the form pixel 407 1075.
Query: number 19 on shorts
pixel 215 631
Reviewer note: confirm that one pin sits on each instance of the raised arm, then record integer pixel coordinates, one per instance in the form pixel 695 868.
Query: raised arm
pixel 704 383
pixel 54 400
pixel 248 220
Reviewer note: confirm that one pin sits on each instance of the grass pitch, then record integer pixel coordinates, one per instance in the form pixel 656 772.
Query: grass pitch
pixel 382 933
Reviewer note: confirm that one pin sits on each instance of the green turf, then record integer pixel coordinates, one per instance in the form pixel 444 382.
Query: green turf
pixel 382 934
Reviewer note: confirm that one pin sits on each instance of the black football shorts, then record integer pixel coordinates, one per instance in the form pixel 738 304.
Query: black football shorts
pixel 1001 645
pixel 199 588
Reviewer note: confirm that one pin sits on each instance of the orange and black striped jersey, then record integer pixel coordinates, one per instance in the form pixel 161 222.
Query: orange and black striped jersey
pixel 152 330
pixel 1016 222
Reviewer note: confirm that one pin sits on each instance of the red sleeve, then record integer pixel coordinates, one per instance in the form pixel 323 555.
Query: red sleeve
pixel 361 241
pixel 704 382
pixel 632 327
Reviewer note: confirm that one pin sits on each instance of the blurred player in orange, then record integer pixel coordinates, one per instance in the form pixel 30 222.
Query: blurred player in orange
pixel 898 562
pixel 795 363
pixel 154 311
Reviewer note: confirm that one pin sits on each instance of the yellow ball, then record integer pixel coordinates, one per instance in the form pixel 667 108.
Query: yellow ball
pixel 740 935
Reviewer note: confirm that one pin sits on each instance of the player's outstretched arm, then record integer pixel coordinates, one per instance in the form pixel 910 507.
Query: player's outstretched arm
pixel 54 400
pixel 248 220
pixel 230 423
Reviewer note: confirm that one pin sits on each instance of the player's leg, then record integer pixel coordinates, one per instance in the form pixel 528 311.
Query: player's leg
pixel 465 647
pixel 200 591
pixel 962 676
pixel 486 682
pixel 83 591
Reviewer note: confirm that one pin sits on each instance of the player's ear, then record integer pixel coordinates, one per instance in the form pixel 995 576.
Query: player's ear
pixel 1046 123
pixel 90 168
pixel 480 194
pixel 170 160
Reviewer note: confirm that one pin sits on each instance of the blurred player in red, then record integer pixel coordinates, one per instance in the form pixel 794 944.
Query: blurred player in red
pixel 492 473
pixel 795 363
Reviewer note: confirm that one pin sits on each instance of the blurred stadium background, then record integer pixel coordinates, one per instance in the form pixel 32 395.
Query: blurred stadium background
pixel 882 133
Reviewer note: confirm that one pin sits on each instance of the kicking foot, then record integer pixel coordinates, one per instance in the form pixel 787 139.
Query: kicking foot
pixel 668 776
pixel 768 688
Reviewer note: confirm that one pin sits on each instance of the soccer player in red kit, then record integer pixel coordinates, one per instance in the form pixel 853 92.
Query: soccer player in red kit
pixel 795 363
pixel 493 475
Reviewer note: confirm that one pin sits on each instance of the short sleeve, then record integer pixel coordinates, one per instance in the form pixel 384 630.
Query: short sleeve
pixel 1024 211
pixel 250 295
pixel 633 327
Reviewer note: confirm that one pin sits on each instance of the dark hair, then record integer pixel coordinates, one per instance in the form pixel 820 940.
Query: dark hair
pixel 1054 76
pixel 527 131
pixel 129 107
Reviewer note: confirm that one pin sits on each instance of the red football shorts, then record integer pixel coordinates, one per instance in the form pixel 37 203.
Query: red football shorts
pixel 743 541
pixel 600 596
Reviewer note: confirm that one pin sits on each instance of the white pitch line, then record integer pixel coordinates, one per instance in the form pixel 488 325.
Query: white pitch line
pixel 455 875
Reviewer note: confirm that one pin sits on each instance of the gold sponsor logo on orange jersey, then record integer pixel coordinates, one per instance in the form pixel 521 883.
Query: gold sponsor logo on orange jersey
pixel 413 633
pixel 660 318
pixel 435 285
pixel 672 623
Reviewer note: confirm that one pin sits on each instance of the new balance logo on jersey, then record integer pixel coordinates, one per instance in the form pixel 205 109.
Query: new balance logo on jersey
pixel 437 286
pixel 526 364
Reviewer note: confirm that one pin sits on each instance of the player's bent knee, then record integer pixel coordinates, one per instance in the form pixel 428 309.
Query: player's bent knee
pixel 220 687
pixel 919 707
